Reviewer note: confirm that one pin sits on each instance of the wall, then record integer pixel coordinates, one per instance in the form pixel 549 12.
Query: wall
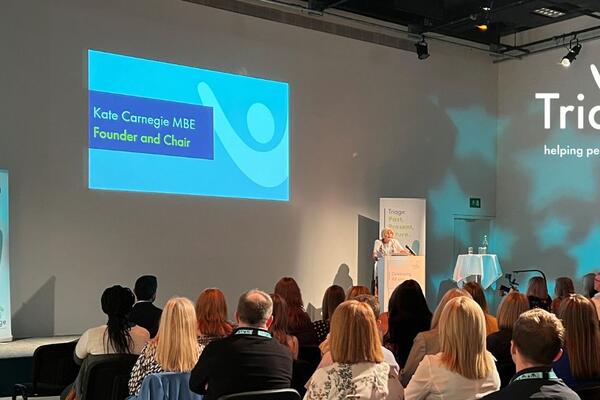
pixel 547 205
pixel 366 122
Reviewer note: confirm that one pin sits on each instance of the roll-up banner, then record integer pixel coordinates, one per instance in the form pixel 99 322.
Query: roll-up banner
pixel 407 218
pixel 5 332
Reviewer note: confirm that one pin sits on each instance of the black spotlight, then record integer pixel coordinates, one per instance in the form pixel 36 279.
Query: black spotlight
pixel 571 55
pixel 422 49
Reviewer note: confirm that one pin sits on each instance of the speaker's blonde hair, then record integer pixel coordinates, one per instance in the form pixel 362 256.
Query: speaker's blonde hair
pixel 177 347
pixel 462 339
pixel 354 336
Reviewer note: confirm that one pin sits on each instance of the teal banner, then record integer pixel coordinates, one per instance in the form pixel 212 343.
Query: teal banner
pixel 5 332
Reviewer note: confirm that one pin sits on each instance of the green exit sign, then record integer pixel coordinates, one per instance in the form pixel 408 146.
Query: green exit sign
pixel 475 202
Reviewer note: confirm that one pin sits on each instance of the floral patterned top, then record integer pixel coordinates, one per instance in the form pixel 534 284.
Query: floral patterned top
pixel 145 365
pixel 365 381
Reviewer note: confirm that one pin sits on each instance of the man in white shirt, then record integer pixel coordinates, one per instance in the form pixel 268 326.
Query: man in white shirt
pixel 596 298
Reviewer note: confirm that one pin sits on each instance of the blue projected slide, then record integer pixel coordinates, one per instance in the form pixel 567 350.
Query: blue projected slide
pixel 167 128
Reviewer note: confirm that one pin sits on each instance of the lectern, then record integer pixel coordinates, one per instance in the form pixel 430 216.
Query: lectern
pixel 393 270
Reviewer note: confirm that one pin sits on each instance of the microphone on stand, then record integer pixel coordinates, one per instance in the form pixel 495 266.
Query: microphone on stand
pixel 407 247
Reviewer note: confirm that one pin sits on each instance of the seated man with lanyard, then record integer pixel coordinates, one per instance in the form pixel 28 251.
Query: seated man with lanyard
pixel 249 359
pixel 537 341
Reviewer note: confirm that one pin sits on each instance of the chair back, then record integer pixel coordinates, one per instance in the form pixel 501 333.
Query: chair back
pixel 273 394
pixel 105 377
pixel 167 386
pixel 589 393
pixel 310 354
pixel 53 368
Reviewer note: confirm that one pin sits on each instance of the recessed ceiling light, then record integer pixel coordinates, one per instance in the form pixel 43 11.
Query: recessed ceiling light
pixel 548 12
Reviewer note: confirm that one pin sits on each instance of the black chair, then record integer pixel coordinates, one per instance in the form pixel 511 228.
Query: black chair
pixel 53 370
pixel 301 373
pixel 273 394
pixel 105 377
pixel 589 393
pixel 310 354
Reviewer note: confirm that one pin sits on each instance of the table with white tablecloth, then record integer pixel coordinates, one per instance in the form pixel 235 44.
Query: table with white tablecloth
pixel 485 266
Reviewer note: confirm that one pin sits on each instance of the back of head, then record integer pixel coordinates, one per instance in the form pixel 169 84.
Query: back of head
pixel 354 336
pixel 463 339
pixel 211 313
pixel 371 301
pixel 279 327
pixel 145 287
pixel 537 287
pixel 512 306
pixel 176 342
pixel 255 307
pixel 564 287
pixel 290 291
pixel 449 295
pixel 356 291
pixel 333 297
pixel 582 336
pixel 538 336
pixel 588 285
pixel 117 302
pixel 476 292
pixel 408 311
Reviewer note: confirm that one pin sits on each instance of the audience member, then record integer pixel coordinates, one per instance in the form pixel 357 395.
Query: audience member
pixel 596 298
pixel 408 315
pixel 333 297
pixel 144 312
pixel 476 291
pixel 299 323
pixel 537 293
pixel 279 328
pixel 211 314
pixel 388 356
pixel 588 285
pixel 356 291
pixel 498 343
pixel 247 360
pixel 537 341
pixel 463 370
pixel 116 337
pixel 175 348
pixel 563 288
pixel 357 370
pixel 427 342
pixel 580 362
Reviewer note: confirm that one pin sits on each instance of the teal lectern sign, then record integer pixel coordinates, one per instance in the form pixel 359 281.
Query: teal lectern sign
pixel 5 333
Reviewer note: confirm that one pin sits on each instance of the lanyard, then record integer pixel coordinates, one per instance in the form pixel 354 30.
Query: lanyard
pixel 253 332
pixel 535 375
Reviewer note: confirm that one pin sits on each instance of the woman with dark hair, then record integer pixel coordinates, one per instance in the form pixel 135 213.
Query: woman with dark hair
pixel 537 294
pixel 408 315
pixel 279 326
pixel 118 336
pixel 333 297
pixel 564 288
pixel 299 323
pixel 579 365
pixel 476 291
pixel 588 285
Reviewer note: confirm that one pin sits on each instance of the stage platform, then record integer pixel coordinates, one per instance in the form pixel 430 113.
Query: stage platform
pixel 16 360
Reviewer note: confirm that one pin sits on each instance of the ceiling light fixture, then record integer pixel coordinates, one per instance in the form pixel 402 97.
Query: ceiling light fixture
pixel 572 54
pixel 549 12
pixel 422 49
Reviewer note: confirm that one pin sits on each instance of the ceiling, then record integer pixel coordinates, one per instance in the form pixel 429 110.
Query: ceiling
pixel 458 18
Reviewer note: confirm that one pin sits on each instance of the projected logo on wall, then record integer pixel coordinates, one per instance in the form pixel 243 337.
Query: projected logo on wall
pixel 167 128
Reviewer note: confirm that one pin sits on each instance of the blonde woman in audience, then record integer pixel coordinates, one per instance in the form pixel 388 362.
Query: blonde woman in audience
pixel 278 327
pixel 498 343
pixel 358 370
pixel 428 342
pixel 537 293
pixel 211 313
pixel 476 291
pixel 174 349
pixel 579 364
pixel 563 288
pixel 463 370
